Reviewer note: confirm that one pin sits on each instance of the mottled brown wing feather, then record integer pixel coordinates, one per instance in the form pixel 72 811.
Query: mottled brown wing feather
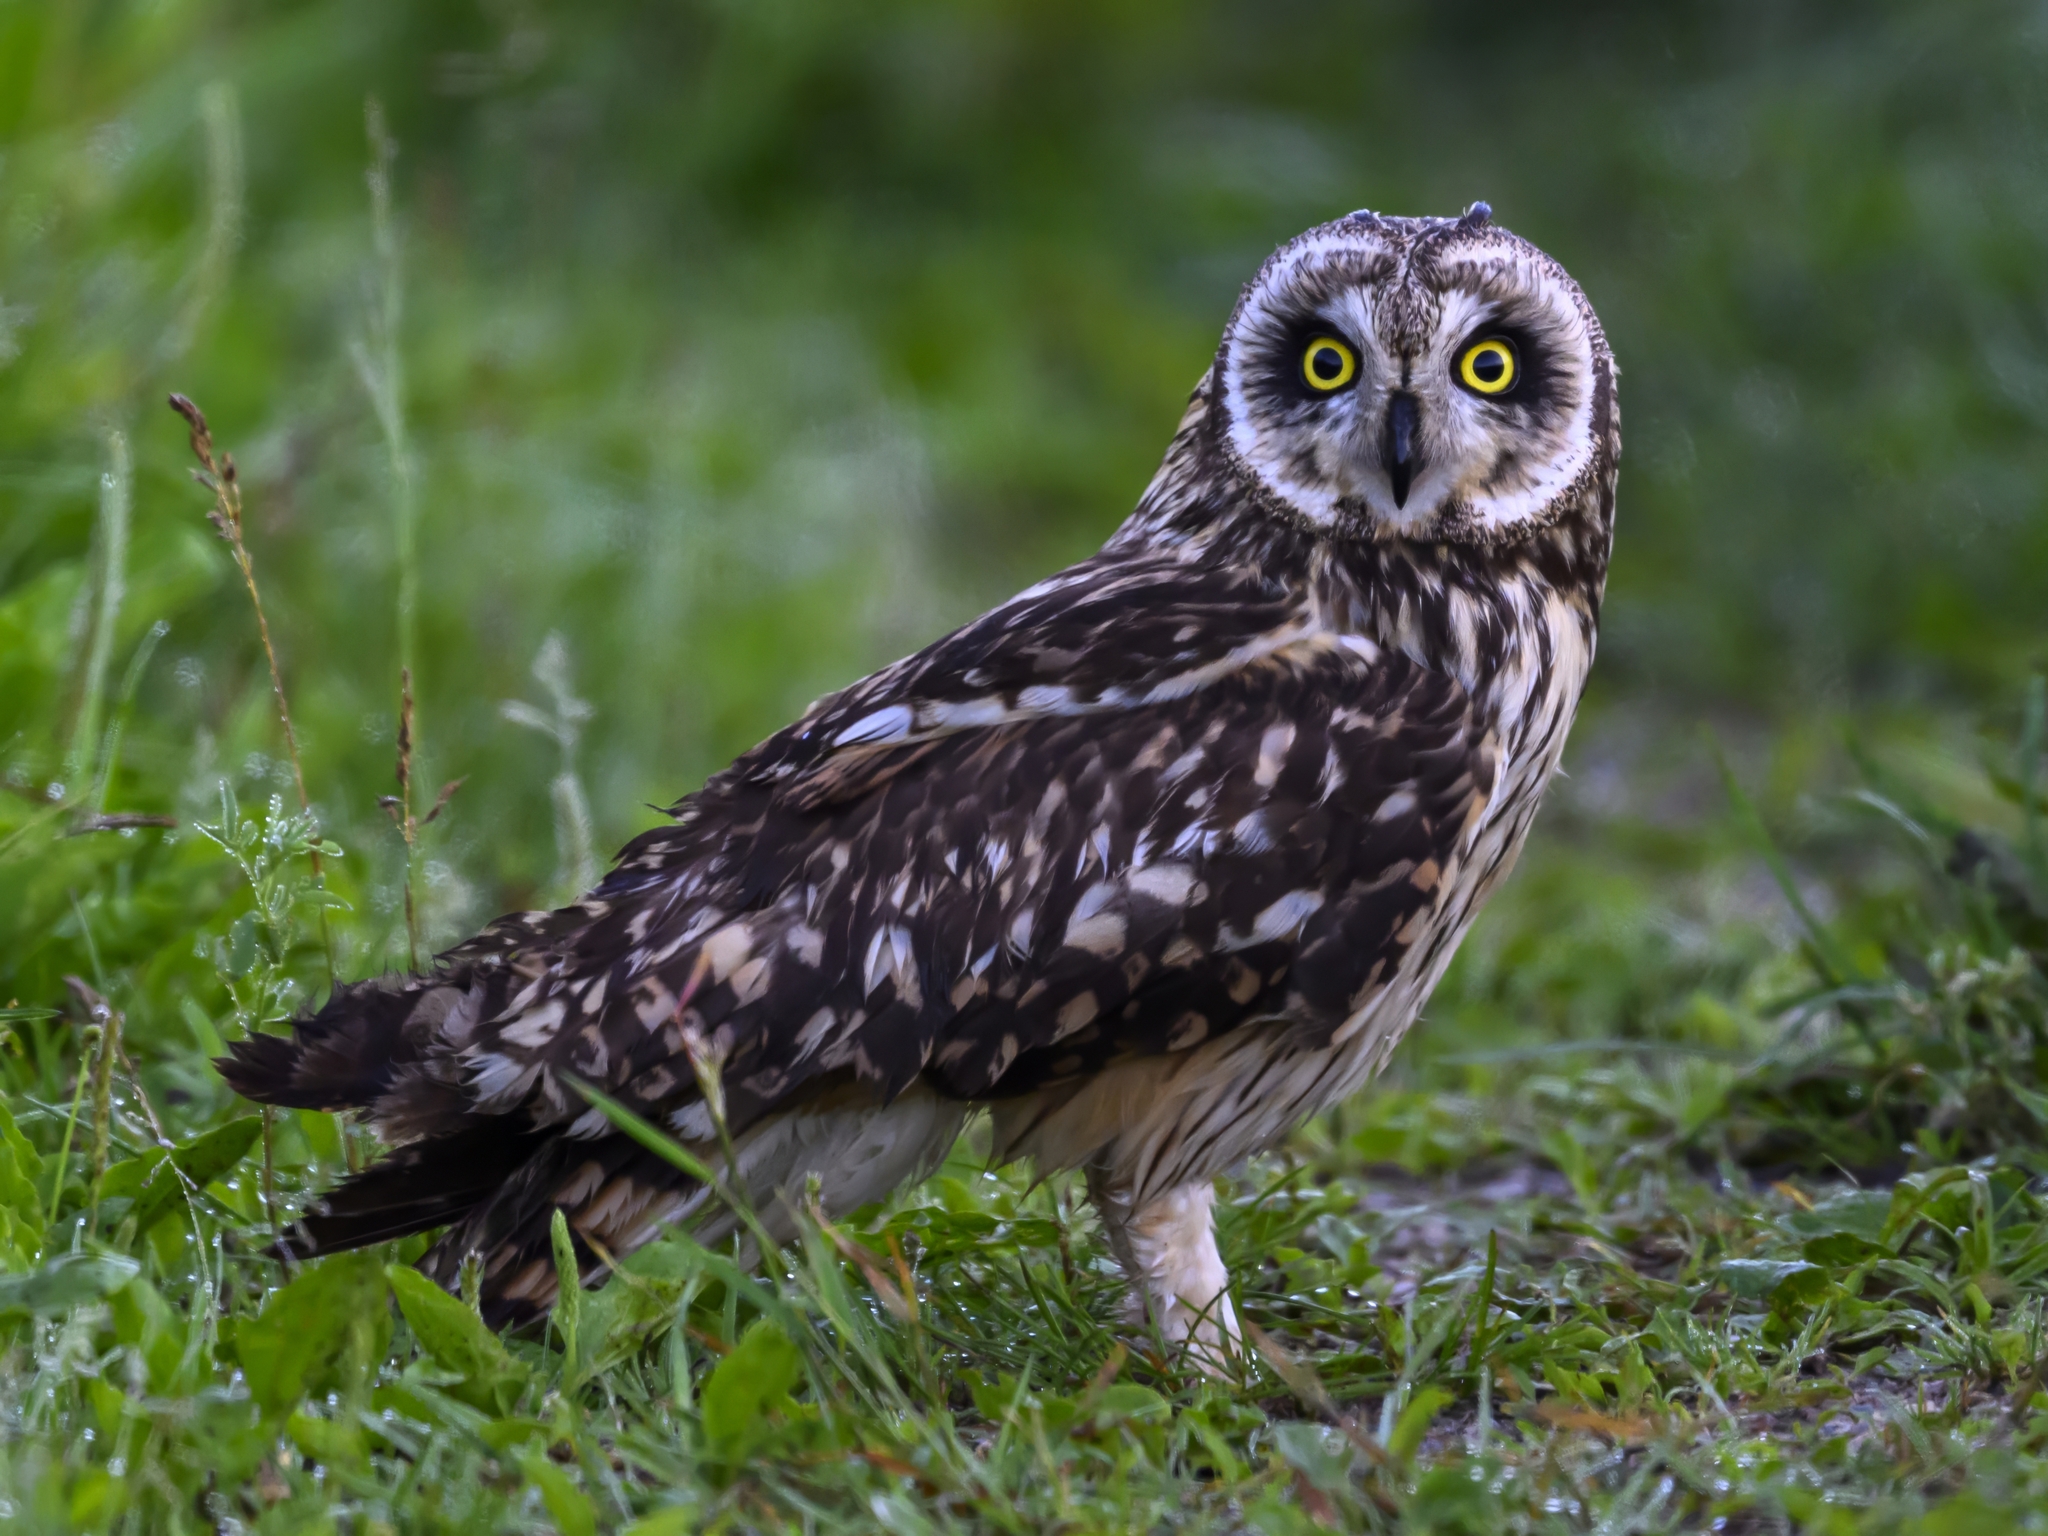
pixel 1007 905
pixel 957 869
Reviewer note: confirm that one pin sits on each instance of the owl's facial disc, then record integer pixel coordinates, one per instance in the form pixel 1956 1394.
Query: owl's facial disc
pixel 1415 378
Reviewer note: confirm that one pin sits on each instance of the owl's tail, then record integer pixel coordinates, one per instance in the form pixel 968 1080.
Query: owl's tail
pixel 345 1056
pixel 352 1054
pixel 414 1189
pixel 493 1180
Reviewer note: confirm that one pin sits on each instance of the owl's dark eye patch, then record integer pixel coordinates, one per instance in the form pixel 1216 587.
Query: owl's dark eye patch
pixel 1308 362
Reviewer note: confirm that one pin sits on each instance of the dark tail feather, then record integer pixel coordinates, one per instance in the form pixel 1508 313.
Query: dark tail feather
pixel 261 1068
pixel 424 1185
pixel 345 1055
pixel 607 1189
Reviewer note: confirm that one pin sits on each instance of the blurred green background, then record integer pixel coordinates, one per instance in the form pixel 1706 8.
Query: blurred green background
pixel 747 346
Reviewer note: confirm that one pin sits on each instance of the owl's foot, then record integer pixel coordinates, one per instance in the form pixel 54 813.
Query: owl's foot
pixel 1167 1247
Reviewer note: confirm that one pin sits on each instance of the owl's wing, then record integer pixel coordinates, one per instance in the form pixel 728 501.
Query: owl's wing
pixel 1098 821
pixel 1131 809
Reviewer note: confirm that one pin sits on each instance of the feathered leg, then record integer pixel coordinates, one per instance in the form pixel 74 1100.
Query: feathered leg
pixel 1167 1247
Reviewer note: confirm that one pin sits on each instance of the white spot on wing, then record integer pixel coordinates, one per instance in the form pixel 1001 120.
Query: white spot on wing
pixel 536 1028
pixel 970 712
pixel 726 949
pixel 1101 934
pixel 693 1122
pixel 882 725
pixel 1273 747
pixel 496 1079
pixel 817 1028
pixel 1168 884
pixel 1284 918
pixel 806 944
pixel 1047 698
pixel 1396 805
pixel 1251 833
pixel 887 951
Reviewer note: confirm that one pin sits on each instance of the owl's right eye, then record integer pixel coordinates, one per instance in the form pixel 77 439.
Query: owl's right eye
pixel 1328 365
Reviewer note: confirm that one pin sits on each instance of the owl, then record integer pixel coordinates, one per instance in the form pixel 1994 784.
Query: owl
pixel 1149 863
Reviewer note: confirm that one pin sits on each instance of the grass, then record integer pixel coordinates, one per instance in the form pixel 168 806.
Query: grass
pixel 731 351
pixel 1770 1253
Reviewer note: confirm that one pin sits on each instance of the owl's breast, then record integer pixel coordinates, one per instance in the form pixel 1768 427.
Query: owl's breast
pixel 1524 696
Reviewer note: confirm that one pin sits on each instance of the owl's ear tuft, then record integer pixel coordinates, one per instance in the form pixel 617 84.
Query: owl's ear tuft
pixel 1478 216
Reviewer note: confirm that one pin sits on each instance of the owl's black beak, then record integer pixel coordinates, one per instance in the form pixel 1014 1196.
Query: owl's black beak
pixel 1403 417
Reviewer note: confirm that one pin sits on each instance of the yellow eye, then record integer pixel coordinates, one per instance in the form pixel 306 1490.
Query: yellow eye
pixel 1328 364
pixel 1489 366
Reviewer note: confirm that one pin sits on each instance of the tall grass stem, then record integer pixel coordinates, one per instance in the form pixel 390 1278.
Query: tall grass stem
pixel 103 1100
pixel 220 118
pixel 2033 730
pixel 218 474
pixel 408 828
pixel 88 1042
pixel 380 366
pixel 563 721
pixel 117 724
pixel 110 543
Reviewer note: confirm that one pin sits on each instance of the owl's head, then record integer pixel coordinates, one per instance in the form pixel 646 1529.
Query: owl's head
pixel 1434 379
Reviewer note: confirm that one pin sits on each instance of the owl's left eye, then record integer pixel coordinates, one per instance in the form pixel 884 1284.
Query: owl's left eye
pixel 1489 367
pixel 1327 364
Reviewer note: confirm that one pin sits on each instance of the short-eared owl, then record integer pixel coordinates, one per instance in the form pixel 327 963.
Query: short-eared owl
pixel 1151 862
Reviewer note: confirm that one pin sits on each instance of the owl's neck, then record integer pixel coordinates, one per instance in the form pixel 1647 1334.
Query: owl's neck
pixel 1507 619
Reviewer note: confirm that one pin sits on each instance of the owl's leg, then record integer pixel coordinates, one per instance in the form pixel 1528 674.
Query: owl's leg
pixel 1167 1247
